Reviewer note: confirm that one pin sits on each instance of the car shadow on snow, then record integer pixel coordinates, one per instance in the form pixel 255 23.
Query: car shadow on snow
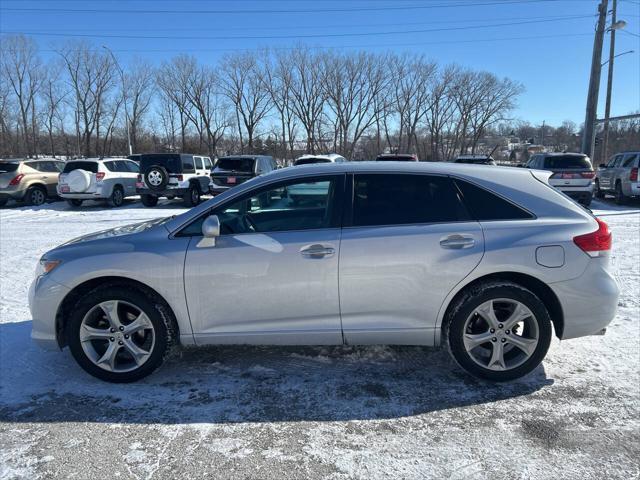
pixel 234 384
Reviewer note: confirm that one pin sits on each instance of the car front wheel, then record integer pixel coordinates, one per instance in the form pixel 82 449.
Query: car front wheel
pixel 620 197
pixel 192 197
pixel 498 331
pixel 598 193
pixel 119 334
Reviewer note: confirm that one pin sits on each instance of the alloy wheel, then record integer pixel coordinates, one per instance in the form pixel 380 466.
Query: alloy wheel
pixel 37 197
pixel 117 336
pixel 501 334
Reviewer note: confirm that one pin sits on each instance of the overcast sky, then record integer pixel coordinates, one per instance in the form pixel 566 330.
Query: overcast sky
pixel 544 44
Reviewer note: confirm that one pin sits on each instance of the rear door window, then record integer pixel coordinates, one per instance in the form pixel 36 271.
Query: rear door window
pixel 199 163
pixel 132 166
pixel 207 163
pixel 485 205
pixel 400 199
pixel 88 166
pixel 630 160
pixel 566 161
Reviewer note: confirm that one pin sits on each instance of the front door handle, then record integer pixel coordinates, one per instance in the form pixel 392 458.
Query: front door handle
pixel 457 241
pixel 317 250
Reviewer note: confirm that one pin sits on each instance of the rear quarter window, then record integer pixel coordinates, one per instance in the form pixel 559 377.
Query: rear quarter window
pixel 8 167
pixel 485 205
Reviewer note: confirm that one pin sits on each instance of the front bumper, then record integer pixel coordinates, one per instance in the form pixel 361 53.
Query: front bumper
pixel 589 302
pixel 45 297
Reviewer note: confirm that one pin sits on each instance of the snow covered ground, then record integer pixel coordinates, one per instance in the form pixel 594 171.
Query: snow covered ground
pixel 249 412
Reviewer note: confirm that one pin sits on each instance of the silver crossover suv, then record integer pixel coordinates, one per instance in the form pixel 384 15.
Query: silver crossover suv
pixel 484 261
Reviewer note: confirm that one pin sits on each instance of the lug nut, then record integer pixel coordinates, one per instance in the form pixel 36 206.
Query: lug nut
pixel 120 342
pixel 126 336
pixel 493 330
pixel 121 328
pixel 111 339
pixel 507 332
pixel 503 340
pixel 112 330
pixel 494 339
pixel 500 326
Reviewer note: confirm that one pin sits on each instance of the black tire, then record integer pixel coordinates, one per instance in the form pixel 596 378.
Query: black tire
pixel 117 197
pixel 3 201
pixel 598 193
pixel 164 331
pixel 36 196
pixel 620 197
pixel 192 197
pixel 156 177
pixel 74 202
pixel 149 200
pixel 464 307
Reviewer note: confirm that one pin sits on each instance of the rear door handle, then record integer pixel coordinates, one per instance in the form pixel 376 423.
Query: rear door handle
pixel 317 250
pixel 457 241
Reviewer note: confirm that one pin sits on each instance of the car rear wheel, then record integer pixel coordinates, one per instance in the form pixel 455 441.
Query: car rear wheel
pixel 498 331
pixel 192 197
pixel 74 202
pixel 598 193
pixel 620 197
pixel 36 196
pixel 118 334
pixel 149 200
pixel 117 197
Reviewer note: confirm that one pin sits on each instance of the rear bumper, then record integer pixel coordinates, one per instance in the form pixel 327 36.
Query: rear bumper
pixel 82 196
pixel 217 189
pixel 167 192
pixel 7 194
pixel 589 302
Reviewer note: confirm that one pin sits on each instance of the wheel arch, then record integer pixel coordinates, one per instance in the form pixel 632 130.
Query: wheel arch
pixel 538 287
pixel 83 288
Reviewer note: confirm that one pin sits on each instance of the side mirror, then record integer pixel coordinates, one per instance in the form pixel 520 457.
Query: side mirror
pixel 210 231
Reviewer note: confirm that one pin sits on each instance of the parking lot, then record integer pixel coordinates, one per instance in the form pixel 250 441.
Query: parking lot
pixel 311 412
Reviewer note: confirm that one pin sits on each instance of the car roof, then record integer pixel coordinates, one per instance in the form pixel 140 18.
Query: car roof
pixel 107 159
pixel 562 154
pixel 245 156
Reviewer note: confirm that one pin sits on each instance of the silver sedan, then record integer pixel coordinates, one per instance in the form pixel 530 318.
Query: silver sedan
pixel 488 262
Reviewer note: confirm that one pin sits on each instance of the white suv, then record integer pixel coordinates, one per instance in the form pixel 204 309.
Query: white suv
pixel 110 179
pixel 173 175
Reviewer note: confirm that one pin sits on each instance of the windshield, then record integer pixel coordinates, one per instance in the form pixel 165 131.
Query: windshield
pixel 88 166
pixel 236 164
pixel 309 160
pixel 567 161
pixel 8 167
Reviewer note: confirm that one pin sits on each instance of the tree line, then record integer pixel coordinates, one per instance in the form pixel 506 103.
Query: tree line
pixel 279 102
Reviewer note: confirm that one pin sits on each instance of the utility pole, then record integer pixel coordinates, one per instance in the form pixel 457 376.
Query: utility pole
pixel 542 133
pixel 588 136
pixel 607 108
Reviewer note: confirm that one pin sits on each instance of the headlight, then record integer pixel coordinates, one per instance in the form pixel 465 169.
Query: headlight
pixel 45 266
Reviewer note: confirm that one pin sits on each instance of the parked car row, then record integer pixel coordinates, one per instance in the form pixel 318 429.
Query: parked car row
pixel 172 175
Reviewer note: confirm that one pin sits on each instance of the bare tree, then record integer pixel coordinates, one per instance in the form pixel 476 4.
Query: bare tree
pixel 242 83
pixel 139 82
pixel 22 70
pixel 53 96
pixel 173 81
pixel 308 96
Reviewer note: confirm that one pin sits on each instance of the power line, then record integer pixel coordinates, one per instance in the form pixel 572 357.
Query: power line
pixel 272 10
pixel 319 35
pixel 317 47
pixel 326 26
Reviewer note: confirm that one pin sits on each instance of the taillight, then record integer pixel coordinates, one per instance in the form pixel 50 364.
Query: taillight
pixel 588 174
pixel 633 176
pixel 139 177
pixel 177 177
pixel 595 243
pixel 16 180
pixel 99 176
